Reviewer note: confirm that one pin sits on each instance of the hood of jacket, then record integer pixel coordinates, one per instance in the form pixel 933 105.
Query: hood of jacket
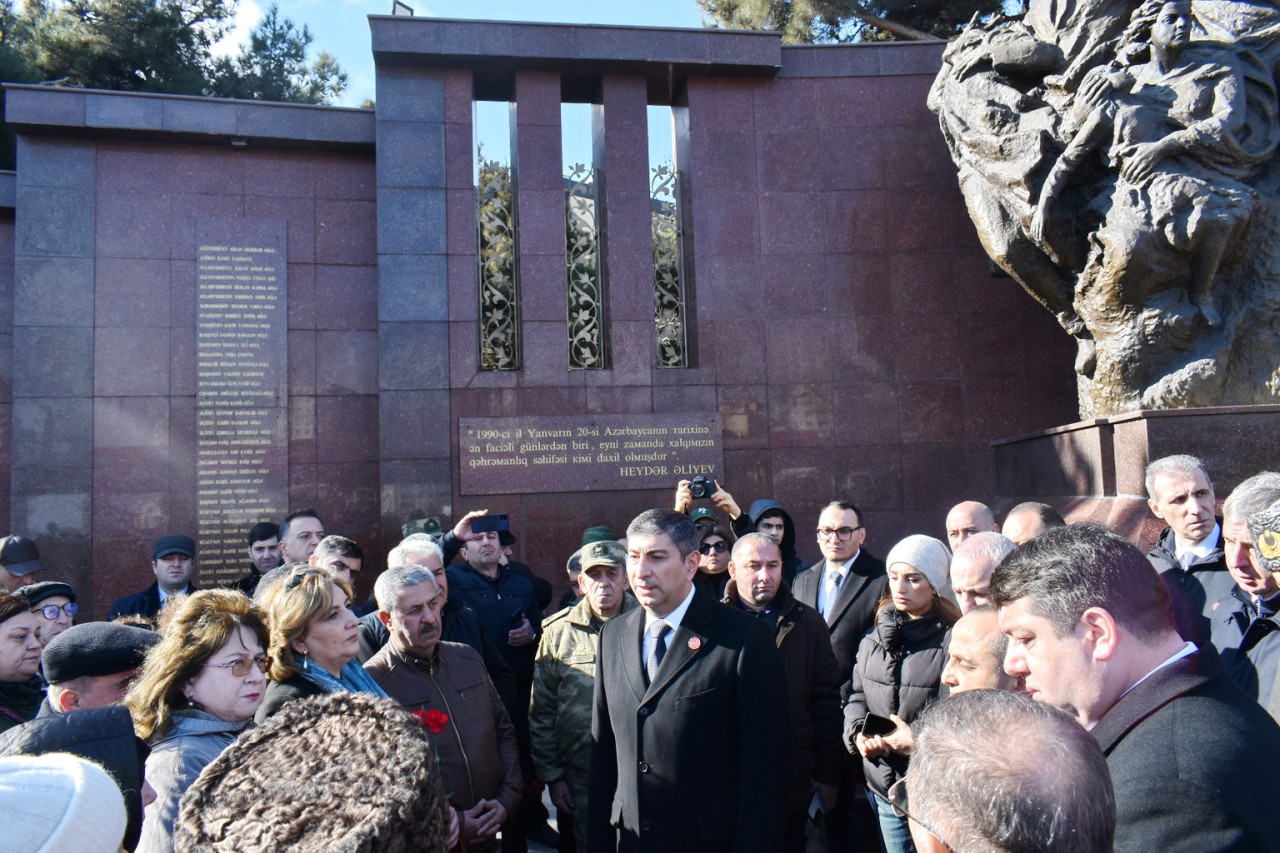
pixel 788 543
pixel 102 735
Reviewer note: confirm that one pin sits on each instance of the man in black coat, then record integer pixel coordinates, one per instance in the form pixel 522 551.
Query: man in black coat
pixel 845 588
pixel 173 562
pixel 1090 630
pixel 1189 552
pixel 690 738
pixel 813 681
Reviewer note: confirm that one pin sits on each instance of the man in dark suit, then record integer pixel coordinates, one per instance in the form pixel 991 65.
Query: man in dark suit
pixel 845 588
pixel 690 737
pixel 173 561
pixel 1090 630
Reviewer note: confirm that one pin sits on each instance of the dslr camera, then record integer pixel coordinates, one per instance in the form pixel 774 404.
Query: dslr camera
pixel 702 487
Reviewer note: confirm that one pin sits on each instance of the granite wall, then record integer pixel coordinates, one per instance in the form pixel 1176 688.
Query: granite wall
pixel 847 328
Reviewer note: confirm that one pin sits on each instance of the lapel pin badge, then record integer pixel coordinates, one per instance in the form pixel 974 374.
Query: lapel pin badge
pixel 695 643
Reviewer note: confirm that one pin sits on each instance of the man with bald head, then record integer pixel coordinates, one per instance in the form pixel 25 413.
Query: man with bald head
pixel 967 518
pixel 1028 520
pixel 972 565
pixel 975 655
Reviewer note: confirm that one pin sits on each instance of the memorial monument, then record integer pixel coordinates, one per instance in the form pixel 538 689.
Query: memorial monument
pixel 1118 162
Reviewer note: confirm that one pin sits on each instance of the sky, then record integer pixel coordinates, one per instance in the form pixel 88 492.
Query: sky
pixel 341 28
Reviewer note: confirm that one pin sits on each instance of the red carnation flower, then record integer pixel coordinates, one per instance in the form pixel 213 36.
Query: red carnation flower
pixel 434 720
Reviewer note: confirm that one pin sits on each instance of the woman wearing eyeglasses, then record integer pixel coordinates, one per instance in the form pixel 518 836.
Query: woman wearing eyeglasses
pixel 315 638
pixel 713 563
pixel 898 673
pixel 55 605
pixel 198 688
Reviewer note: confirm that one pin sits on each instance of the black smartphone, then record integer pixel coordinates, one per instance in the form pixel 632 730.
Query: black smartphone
pixel 517 619
pixel 874 724
pixel 495 523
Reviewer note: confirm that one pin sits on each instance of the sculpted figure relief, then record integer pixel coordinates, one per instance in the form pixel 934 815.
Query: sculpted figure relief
pixel 1117 160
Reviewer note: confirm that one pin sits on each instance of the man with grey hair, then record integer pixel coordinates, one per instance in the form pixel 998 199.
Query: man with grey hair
pixel 479 761
pixel 995 771
pixel 1244 624
pixel 1188 555
pixel 972 564
pixel 458 622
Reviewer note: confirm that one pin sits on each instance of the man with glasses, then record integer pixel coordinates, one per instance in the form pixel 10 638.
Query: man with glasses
pixel 978 779
pixel 845 588
pixel 55 604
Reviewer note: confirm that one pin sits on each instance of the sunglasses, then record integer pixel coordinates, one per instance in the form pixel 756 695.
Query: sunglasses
pixel 296 580
pixel 240 666
pixel 719 547
pixel 51 611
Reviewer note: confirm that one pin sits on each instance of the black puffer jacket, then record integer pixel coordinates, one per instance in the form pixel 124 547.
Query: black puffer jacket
pixel 898 671
pixel 19 702
pixel 102 735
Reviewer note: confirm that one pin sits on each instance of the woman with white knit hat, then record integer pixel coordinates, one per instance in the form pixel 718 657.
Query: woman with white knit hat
pixel 898 673
pixel 59 802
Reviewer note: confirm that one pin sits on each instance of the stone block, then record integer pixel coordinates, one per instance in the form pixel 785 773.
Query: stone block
pixel 53 291
pixel 413 356
pixel 346 362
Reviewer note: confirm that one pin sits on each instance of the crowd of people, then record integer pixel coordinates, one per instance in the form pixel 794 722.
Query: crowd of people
pixel 1028 685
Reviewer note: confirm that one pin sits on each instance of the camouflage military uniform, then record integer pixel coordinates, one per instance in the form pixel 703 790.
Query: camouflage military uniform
pixel 564 677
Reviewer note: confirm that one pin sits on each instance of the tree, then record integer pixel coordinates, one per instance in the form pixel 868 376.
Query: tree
pixel 127 45
pixel 813 21
pixel 273 66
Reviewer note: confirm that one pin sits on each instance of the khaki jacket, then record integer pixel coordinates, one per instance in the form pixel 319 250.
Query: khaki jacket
pixel 564 677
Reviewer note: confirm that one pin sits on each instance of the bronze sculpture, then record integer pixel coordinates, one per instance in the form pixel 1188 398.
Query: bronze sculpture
pixel 1118 162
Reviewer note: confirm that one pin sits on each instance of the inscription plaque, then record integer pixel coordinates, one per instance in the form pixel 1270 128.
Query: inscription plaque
pixel 597 452
pixel 242 472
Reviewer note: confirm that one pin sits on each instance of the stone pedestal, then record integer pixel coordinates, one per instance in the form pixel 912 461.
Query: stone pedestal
pixel 1093 470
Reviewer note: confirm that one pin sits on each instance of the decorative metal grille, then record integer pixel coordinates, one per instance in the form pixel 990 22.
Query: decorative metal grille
pixel 668 276
pixel 499 290
pixel 587 349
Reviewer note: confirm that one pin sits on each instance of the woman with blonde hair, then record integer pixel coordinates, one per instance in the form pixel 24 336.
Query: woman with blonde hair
pixel 315 638
pixel 198 688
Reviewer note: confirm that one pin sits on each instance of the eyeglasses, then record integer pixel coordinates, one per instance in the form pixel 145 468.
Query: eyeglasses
pixel 240 666
pixel 719 547
pixel 844 534
pixel 51 611
pixel 296 580
pixel 897 796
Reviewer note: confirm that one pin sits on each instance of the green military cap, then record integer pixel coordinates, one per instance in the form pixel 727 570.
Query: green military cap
pixel 603 554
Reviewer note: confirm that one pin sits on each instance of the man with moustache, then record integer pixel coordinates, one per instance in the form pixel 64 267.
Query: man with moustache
pixel 756 588
pixel 564 677
pixel 476 742
pixel 687 752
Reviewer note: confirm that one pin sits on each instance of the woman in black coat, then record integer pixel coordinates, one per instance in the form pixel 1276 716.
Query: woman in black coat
pixel 898 673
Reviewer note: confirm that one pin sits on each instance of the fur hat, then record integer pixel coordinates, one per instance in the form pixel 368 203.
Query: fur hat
pixel 339 772
pixel 928 555
pixel 59 802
